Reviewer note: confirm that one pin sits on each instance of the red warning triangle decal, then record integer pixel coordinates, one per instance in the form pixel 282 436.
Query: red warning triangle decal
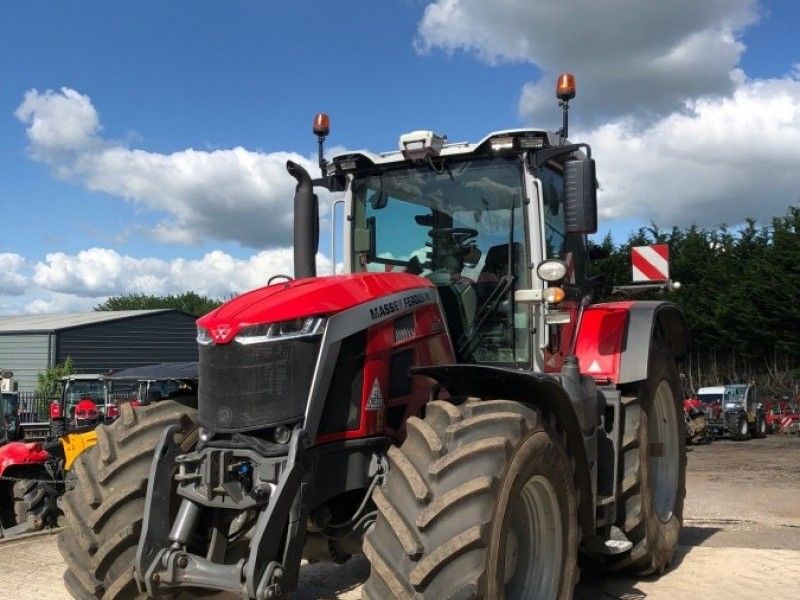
pixel 375 400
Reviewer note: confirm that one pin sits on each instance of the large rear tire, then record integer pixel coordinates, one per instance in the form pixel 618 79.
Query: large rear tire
pixel 104 501
pixel 652 470
pixel 479 503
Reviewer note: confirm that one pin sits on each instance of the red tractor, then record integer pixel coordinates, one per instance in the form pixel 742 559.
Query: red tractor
pixel 472 424
pixel 84 402
pixel 28 478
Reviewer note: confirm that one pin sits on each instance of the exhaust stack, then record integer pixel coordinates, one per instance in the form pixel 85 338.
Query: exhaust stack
pixel 306 223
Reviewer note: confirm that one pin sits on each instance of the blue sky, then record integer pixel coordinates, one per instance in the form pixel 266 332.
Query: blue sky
pixel 160 78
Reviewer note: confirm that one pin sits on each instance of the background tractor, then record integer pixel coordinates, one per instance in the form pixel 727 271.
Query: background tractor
pixel 453 405
pixel 84 402
pixel 34 462
pixel 734 410
pixel 28 479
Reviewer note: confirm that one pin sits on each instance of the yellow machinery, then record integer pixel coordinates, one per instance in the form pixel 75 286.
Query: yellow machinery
pixel 75 443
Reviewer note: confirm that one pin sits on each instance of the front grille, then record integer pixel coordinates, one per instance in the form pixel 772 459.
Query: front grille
pixel 246 387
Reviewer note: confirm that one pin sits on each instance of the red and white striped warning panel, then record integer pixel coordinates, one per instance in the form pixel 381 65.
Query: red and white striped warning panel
pixel 786 422
pixel 650 263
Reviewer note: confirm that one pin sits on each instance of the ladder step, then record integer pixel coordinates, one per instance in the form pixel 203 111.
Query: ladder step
pixel 613 547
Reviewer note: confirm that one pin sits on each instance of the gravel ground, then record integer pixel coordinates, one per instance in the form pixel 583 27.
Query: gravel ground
pixel 741 538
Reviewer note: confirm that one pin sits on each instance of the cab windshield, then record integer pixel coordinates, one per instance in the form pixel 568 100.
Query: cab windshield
pixel 8 412
pixel 78 390
pixel 735 394
pixel 461 225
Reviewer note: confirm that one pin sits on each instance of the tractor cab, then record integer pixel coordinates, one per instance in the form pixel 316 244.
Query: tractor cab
pixel 740 396
pixel 491 224
pixel 84 402
pixel 9 417
pixel 711 395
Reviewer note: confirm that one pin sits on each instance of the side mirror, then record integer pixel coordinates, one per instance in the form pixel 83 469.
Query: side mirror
pixel 580 196
pixel 379 200
pixel 364 239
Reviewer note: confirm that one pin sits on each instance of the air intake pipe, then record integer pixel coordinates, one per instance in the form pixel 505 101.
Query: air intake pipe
pixel 306 223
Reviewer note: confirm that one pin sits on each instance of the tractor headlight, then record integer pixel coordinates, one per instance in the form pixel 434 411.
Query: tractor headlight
pixel 731 406
pixel 284 330
pixel 203 336
pixel 552 270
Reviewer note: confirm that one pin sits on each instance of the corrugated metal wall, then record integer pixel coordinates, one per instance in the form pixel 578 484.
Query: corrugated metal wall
pixel 26 354
pixel 162 337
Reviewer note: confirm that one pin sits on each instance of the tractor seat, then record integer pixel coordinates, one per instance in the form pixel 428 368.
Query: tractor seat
pixel 494 268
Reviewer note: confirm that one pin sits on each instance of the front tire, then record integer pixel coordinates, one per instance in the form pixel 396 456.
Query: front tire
pixel 35 503
pixel 479 503
pixel 761 426
pixel 104 501
pixel 738 429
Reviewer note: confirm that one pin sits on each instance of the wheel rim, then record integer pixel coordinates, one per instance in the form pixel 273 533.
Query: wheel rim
pixel 534 547
pixel 663 433
pixel 744 427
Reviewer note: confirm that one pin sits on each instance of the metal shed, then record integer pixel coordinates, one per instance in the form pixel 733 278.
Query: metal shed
pixel 96 341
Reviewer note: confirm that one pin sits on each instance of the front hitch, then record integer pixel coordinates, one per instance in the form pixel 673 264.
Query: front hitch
pixel 164 562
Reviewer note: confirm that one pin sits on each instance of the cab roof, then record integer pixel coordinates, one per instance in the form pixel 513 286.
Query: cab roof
pixel 717 389
pixel 450 149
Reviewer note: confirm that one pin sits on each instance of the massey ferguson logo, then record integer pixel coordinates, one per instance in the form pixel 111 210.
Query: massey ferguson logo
pixel 404 303
pixel 221 333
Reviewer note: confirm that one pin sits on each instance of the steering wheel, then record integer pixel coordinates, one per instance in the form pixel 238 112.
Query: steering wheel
pixel 460 234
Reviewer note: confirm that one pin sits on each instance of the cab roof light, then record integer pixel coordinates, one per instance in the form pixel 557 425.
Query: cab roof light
pixel 502 143
pixel 321 128
pixel 565 87
pixel 347 164
pixel 527 142
pixel 322 124
pixel 565 91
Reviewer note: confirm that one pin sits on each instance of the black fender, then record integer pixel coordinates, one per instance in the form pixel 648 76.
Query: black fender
pixel 538 389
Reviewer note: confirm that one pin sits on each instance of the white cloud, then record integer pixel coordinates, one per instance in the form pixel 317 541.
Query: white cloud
pixel 679 131
pixel 59 123
pixel 722 160
pixel 12 281
pixel 53 302
pixel 630 57
pixel 228 195
pixel 101 272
